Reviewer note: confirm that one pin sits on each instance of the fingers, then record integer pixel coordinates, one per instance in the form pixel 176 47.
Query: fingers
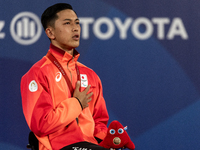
pixel 89 96
pixel 85 96
pixel 87 89
pixel 78 84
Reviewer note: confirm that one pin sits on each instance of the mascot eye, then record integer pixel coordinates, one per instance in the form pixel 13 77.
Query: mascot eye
pixel 112 131
pixel 120 131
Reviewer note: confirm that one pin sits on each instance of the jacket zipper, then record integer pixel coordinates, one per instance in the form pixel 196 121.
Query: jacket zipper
pixel 71 80
pixel 69 69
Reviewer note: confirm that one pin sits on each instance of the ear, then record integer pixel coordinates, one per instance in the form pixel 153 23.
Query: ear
pixel 50 33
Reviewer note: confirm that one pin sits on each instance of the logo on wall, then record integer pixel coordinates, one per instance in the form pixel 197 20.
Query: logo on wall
pixel 25 28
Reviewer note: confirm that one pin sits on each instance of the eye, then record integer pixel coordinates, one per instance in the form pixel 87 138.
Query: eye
pixel 78 22
pixel 120 130
pixel 67 23
pixel 112 131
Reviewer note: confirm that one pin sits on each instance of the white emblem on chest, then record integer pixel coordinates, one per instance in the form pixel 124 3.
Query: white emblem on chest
pixel 84 80
pixel 58 76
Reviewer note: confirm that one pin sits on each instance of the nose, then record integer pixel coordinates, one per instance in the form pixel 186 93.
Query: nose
pixel 75 28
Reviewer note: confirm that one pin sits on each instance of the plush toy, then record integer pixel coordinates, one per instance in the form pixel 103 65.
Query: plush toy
pixel 117 137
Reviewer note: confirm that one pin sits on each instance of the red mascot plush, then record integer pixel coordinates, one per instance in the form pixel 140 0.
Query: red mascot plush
pixel 117 137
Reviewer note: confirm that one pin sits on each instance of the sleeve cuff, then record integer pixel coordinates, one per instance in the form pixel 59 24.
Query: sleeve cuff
pixel 101 135
pixel 79 102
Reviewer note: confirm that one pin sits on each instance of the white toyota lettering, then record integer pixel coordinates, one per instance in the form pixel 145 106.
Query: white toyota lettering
pixel 141 28
pixel 85 27
pixel 123 27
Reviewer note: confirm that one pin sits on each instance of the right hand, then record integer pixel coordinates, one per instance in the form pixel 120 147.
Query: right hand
pixel 83 97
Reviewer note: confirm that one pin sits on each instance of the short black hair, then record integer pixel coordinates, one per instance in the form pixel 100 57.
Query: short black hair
pixel 50 14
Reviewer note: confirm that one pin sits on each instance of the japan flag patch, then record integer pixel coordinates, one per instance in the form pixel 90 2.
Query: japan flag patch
pixel 84 80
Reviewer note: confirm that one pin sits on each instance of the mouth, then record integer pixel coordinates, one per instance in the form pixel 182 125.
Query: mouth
pixel 116 140
pixel 76 37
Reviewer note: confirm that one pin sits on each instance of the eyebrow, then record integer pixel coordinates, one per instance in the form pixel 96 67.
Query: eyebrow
pixel 70 19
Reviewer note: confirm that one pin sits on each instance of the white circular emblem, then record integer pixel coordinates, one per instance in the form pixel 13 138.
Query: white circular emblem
pixel 33 86
pixel 58 76
pixel 25 28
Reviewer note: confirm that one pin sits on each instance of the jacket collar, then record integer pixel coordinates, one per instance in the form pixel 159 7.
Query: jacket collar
pixel 62 55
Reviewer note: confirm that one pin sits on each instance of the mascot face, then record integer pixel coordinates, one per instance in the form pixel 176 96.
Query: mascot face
pixel 117 137
pixel 116 133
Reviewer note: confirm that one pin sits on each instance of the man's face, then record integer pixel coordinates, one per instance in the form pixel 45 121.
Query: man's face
pixel 66 30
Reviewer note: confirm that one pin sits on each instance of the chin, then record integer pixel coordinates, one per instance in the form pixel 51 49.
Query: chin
pixel 76 45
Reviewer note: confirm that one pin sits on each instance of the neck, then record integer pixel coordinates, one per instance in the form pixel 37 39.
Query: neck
pixel 68 50
pixel 71 52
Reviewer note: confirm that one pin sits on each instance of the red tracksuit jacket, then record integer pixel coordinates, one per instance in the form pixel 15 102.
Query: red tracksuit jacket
pixel 51 112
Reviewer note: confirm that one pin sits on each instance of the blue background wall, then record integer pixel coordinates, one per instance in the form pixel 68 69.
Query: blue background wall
pixel 150 79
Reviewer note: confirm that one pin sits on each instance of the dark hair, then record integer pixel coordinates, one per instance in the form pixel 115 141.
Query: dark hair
pixel 50 14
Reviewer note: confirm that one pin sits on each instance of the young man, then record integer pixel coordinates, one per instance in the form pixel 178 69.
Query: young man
pixel 60 117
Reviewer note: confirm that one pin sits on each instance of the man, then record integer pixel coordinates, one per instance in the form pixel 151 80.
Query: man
pixel 60 117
